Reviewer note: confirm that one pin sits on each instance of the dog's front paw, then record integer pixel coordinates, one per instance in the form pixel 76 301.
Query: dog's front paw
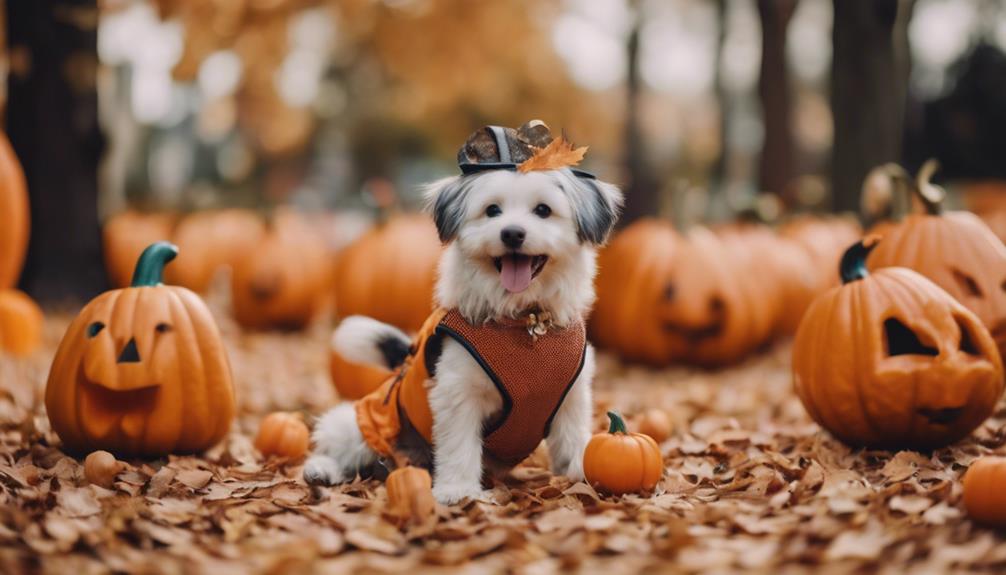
pixel 322 470
pixel 451 493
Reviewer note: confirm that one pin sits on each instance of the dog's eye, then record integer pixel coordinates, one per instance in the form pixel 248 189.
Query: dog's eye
pixel 542 211
pixel 493 210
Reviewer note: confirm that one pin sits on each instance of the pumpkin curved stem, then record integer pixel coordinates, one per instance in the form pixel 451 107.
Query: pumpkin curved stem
pixel 930 194
pixel 853 264
pixel 617 423
pixel 150 266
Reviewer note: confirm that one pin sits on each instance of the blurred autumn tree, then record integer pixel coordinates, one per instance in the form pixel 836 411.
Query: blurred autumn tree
pixel 442 67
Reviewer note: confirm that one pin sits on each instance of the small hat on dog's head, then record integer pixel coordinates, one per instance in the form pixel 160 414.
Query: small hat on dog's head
pixel 530 147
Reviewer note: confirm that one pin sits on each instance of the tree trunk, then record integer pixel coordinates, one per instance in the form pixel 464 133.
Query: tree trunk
pixel 52 119
pixel 775 170
pixel 641 190
pixel 867 95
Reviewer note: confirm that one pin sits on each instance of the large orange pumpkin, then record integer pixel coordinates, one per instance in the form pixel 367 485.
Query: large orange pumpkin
pixel 20 323
pixel 956 250
pixel 631 283
pixel 353 380
pixel 389 272
pixel 142 370
pixel 824 240
pixel 15 217
pixel 283 281
pixel 210 241
pixel 890 360
pixel 125 236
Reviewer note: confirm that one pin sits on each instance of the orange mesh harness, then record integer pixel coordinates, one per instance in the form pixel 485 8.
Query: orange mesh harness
pixel 531 373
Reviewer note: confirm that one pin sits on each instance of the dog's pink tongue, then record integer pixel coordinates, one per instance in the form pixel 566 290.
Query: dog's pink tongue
pixel 516 273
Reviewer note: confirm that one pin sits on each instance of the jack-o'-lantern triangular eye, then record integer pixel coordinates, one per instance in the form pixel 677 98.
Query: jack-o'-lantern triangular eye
pixel 967 283
pixel 901 340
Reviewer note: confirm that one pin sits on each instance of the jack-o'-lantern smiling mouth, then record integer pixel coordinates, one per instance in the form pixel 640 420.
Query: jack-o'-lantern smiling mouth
pixel 517 270
pixel 108 409
pixel 696 335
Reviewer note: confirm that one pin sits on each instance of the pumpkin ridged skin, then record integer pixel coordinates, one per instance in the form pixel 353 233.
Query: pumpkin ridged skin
pixel 410 493
pixel 618 462
pixel 389 272
pixel 209 241
pixel 14 215
pixel 174 395
pixel 958 252
pixel 125 235
pixel 20 323
pixel 283 435
pixel 851 386
pixel 632 273
pixel 984 496
pixel 284 281
pixel 353 380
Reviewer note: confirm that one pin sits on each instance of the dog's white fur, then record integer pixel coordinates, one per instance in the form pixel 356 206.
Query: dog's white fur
pixel 462 397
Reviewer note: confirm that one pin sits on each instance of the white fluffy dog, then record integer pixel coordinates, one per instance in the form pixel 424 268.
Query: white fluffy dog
pixel 514 242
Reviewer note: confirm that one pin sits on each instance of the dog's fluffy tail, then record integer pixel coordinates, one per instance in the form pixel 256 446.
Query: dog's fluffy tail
pixel 367 341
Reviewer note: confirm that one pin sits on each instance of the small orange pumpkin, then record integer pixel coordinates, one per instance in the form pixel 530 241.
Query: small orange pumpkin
pixel 984 496
pixel 890 360
pixel 14 215
pixel 389 272
pixel 353 380
pixel 20 323
pixel 101 468
pixel 124 237
pixel 956 250
pixel 410 494
pixel 284 281
pixel 283 435
pixel 142 370
pixel 655 423
pixel 619 462
pixel 210 241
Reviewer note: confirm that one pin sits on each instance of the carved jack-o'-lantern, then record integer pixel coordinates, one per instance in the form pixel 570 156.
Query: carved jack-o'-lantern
pixel 142 370
pixel 956 250
pixel 891 360
pixel 713 312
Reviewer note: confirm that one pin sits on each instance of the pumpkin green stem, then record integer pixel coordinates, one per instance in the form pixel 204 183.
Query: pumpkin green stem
pixel 853 264
pixel 150 266
pixel 617 424
pixel 928 193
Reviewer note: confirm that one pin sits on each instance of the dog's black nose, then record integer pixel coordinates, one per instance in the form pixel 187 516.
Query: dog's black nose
pixel 513 236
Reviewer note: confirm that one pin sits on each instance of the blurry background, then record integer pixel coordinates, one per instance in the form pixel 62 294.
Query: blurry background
pixel 697 107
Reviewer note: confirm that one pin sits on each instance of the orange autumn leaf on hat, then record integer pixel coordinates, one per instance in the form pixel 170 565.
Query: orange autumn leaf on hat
pixel 559 153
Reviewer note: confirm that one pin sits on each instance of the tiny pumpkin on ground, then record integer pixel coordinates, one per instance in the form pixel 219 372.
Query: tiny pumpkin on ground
pixel 410 494
pixel 655 423
pixel 20 323
pixel 101 468
pixel 984 496
pixel 619 462
pixel 283 434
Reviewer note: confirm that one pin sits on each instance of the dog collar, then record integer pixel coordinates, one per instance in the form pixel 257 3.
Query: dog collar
pixel 506 163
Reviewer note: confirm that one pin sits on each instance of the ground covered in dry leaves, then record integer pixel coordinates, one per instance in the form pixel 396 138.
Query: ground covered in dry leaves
pixel 751 485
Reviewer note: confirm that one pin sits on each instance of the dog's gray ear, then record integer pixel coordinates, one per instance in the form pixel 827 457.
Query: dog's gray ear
pixel 445 201
pixel 596 206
